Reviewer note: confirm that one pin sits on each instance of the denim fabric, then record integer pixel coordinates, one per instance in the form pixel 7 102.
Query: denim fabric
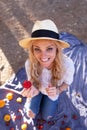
pixel 45 104
pixel 48 107
pixel 34 104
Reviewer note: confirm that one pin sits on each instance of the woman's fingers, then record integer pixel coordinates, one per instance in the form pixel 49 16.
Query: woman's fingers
pixel 34 91
pixel 51 91
pixel 29 93
pixel 25 92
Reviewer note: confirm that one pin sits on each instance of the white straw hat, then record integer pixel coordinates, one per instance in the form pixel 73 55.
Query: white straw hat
pixel 45 29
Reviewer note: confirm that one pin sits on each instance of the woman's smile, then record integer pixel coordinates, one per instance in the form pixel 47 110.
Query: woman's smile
pixel 45 59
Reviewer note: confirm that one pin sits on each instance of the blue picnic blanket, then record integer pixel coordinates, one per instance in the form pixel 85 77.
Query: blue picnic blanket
pixel 72 105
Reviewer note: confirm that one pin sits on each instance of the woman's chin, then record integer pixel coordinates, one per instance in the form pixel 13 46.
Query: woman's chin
pixel 46 66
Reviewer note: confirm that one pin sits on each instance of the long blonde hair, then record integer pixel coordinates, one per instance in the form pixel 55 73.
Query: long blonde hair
pixel 57 67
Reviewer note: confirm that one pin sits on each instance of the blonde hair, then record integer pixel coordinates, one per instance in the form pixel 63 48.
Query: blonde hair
pixel 57 68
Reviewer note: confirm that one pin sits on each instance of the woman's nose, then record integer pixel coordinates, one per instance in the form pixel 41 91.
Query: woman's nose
pixel 43 54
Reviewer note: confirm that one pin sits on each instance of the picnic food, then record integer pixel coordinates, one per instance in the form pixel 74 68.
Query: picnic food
pixel 19 99
pixel 2 103
pixel 9 96
pixel 26 84
pixel 24 126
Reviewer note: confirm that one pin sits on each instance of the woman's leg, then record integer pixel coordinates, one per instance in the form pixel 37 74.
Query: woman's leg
pixel 34 106
pixel 48 107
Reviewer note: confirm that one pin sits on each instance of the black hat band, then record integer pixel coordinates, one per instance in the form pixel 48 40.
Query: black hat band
pixel 45 33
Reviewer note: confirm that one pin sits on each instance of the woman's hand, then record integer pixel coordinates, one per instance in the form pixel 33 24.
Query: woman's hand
pixel 51 91
pixel 62 88
pixel 30 92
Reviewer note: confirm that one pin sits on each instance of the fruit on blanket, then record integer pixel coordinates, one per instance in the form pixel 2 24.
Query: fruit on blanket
pixel 62 128
pixel 40 127
pixel 19 99
pixel 9 96
pixel 24 126
pixel 63 122
pixel 27 84
pixel 2 103
pixel 75 117
pixel 68 128
pixel 7 119
pixel 65 116
pixel 12 128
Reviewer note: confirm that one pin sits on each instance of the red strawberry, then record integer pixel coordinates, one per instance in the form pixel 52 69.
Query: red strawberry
pixel 26 84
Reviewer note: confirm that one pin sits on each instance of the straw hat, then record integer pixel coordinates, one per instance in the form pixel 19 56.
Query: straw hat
pixel 45 29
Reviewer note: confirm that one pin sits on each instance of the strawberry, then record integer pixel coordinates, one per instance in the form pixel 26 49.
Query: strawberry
pixel 27 84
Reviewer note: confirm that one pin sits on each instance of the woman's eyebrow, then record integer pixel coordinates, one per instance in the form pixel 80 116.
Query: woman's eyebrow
pixel 51 45
pixel 46 47
pixel 36 46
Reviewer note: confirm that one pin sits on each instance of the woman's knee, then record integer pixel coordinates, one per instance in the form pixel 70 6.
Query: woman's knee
pixel 47 118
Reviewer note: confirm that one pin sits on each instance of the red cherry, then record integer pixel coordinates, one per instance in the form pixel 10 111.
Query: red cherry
pixel 75 117
pixel 62 128
pixel 65 116
pixel 49 122
pixel 26 84
pixel 40 127
pixel 63 122
pixel 7 123
pixel 19 117
pixel 12 128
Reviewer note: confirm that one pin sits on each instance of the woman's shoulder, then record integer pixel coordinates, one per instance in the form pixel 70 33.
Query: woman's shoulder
pixel 69 70
pixel 67 61
pixel 27 63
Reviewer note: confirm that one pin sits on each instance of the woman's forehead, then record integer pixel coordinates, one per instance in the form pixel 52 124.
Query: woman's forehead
pixel 43 42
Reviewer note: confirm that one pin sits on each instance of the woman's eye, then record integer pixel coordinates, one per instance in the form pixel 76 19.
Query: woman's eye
pixel 36 49
pixel 50 49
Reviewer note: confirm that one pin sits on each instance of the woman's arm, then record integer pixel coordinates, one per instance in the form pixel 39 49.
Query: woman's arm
pixel 62 88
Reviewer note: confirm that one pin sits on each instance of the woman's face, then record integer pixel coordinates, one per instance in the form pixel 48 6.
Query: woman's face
pixel 45 52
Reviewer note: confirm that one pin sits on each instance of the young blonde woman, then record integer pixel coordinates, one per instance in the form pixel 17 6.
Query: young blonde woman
pixel 48 69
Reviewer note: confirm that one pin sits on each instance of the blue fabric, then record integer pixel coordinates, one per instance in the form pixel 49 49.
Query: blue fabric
pixel 35 103
pixel 72 104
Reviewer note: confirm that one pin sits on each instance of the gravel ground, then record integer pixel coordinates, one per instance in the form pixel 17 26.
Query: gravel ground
pixel 17 18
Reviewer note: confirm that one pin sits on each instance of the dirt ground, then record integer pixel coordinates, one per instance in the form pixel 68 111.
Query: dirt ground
pixel 17 18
